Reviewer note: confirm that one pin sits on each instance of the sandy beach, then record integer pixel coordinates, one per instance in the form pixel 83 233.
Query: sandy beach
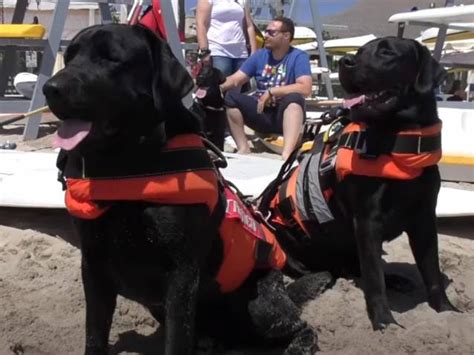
pixel 42 303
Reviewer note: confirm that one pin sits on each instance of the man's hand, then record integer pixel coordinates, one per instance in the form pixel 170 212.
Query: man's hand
pixel 263 101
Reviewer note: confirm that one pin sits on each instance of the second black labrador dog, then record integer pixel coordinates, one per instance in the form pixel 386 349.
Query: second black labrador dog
pixel 145 201
pixel 209 104
pixel 387 177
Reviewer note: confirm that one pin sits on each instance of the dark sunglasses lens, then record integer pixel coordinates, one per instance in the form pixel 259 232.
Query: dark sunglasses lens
pixel 271 33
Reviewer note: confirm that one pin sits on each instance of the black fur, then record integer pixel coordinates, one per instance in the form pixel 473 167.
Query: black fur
pixel 126 82
pixel 211 107
pixel 371 210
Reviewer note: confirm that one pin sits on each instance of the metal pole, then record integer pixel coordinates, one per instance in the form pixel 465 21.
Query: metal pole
pixel 322 52
pixel 292 8
pixel 46 68
pixel 442 31
pixel 173 39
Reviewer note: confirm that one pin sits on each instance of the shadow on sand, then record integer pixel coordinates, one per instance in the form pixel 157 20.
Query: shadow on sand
pixel 53 222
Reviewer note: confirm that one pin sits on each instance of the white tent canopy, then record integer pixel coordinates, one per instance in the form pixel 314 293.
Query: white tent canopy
pixel 456 17
pixel 456 40
pixel 342 45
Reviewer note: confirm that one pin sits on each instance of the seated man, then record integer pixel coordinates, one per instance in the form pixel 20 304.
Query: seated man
pixel 283 76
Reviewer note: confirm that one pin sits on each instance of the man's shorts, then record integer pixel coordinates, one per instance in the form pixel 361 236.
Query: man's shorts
pixel 271 119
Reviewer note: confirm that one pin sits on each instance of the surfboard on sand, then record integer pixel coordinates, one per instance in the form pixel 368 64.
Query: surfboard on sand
pixel 29 180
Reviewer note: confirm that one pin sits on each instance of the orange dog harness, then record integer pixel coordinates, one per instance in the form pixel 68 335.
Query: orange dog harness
pixel 178 185
pixel 419 148
pixel 304 193
pixel 246 244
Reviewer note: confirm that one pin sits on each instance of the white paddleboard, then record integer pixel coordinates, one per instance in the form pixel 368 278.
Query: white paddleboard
pixel 29 179
pixel 249 173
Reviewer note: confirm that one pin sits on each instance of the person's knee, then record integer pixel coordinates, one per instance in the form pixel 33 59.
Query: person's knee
pixel 234 114
pixel 295 104
pixel 294 98
pixel 232 99
pixel 294 108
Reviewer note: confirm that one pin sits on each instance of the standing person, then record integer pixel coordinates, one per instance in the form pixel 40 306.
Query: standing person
pixel 224 31
pixel 283 76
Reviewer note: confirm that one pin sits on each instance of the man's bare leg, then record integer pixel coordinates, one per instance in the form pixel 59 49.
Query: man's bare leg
pixel 292 128
pixel 236 126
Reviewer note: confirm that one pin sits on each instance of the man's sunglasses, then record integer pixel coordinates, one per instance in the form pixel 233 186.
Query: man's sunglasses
pixel 273 33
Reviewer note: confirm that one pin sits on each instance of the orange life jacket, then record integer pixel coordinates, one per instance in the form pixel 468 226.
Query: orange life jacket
pixel 244 239
pixel 400 166
pixel 241 234
pixel 302 198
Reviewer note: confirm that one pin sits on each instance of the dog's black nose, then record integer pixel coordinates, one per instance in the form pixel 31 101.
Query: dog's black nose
pixel 52 89
pixel 347 61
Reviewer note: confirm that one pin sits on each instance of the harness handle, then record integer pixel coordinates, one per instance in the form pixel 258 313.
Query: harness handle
pixel 218 157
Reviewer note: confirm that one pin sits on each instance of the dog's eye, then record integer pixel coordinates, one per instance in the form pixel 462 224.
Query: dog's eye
pixel 386 52
pixel 105 53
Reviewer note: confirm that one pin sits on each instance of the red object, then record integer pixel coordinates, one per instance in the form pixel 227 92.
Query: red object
pixel 153 19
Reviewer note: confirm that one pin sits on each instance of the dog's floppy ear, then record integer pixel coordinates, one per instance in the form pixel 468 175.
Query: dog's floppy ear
pixel 430 72
pixel 171 81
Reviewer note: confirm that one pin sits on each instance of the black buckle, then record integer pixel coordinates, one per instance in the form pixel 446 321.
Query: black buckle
pixel 360 146
pixel 366 144
pixel 329 163
pixel 418 145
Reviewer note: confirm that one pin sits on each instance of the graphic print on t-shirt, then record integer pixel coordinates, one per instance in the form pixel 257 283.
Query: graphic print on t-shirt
pixel 272 76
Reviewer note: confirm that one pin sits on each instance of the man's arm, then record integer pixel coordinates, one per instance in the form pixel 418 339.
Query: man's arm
pixel 237 79
pixel 303 86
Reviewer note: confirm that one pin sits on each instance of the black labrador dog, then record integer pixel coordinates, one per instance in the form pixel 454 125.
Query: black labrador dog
pixel 390 84
pixel 209 104
pixel 119 100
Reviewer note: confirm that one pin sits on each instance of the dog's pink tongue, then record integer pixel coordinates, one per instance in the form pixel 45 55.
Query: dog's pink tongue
pixel 201 93
pixel 348 103
pixel 71 133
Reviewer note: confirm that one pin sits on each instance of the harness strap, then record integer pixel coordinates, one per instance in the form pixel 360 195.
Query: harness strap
pixel 402 144
pixel 168 162
pixel 263 252
pixel 287 209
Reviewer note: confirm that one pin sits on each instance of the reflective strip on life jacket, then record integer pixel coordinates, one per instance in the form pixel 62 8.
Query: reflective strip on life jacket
pixel 402 166
pixel 310 197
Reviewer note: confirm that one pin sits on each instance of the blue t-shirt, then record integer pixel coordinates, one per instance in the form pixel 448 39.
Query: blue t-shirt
pixel 269 72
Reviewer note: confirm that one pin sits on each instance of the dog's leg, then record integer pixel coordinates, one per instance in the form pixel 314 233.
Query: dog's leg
pixel 277 318
pixel 423 237
pixel 101 298
pixel 180 309
pixel 368 234
pixel 99 290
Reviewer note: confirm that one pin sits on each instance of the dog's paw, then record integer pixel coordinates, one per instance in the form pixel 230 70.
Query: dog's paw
pixel 304 343
pixel 443 305
pixel 382 319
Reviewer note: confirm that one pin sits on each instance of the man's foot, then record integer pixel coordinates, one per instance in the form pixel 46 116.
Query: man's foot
pixel 244 151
